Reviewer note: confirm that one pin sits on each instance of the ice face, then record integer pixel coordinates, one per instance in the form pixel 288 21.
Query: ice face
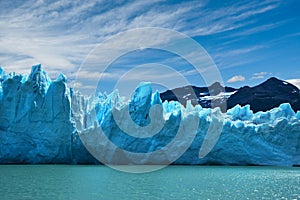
pixel 39 79
pixel 35 119
pixel 43 121
pixel 140 104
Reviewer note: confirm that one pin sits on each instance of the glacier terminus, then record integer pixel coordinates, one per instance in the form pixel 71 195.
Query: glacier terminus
pixel 44 121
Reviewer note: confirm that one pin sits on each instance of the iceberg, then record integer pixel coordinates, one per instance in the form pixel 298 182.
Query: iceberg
pixel 45 121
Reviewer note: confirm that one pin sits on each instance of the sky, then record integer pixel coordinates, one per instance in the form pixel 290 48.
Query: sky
pixel 247 40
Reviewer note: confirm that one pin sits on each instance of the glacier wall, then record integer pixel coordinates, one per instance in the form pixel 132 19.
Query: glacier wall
pixel 45 121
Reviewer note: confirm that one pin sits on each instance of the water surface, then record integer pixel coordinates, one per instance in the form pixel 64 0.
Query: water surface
pixel 174 182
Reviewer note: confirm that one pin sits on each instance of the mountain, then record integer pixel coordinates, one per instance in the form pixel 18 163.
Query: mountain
pixel 45 121
pixel 199 95
pixel 265 96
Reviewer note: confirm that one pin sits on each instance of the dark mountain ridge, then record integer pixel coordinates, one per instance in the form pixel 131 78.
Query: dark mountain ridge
pixel 196 94
pixel 263 97
pixel 267 95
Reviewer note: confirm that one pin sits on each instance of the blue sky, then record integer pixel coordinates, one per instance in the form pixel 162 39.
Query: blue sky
pixel 249 41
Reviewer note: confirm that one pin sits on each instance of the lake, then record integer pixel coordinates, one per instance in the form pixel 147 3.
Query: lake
pixel 174 182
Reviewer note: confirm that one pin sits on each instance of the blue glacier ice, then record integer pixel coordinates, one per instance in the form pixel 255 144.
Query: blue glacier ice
pixel 45 121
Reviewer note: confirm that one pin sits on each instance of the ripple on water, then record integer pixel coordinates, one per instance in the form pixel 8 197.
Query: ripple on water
pixel 174 182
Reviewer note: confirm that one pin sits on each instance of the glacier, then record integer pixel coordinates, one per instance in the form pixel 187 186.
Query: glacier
pixel 45 121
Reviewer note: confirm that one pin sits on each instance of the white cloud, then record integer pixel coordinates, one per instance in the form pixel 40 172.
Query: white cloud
pixel 238 52
pixel 295 82
pixel 258 29
pixel 257 77
pixel 238 78
pixel 229 17
pixel 60 34
pixel 260 75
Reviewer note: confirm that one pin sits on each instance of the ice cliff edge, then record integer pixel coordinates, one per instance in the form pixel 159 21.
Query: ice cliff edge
pixel 42 121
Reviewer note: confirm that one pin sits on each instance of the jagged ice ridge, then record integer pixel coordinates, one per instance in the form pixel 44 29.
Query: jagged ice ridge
pixel 43 121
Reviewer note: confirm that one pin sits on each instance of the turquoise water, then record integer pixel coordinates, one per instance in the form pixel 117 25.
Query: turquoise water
pixel 175 182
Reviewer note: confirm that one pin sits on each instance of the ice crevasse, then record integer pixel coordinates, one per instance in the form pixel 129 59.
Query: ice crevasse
pixel 45 121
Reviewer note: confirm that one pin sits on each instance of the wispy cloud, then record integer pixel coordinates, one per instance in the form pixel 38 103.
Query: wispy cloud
pixel 238 56
pixel 259 75
pixel 239 51
pixel 60 34
pixel 230 17
pixel 237 78
pixel 258 29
